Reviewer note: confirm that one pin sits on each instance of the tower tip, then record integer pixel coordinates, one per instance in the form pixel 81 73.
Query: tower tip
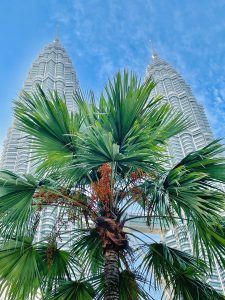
pixel 153 51
pixel 57 34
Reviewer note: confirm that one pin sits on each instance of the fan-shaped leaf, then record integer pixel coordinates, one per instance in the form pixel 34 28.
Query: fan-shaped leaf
pixel 16 194
pixel 73 290
pixel 51 127
pixel 88 249
pixel 181 273
pixel 20 277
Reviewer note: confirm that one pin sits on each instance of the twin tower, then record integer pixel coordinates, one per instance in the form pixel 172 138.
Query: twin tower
pixel 53 70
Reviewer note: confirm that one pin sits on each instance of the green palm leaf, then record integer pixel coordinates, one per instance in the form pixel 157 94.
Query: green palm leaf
pixel 59 264
pixel 127 128
pixel 128 107
pixel 87 248
pixel 73 290
pixel 209 160
pixel 16 194
pixel 193 189
pixel 20 275
pixel 186 287
pixel 131 286
pixel 181 273
pixel 191 193
pixel 209 242
pixel 27 268
pixel 51 127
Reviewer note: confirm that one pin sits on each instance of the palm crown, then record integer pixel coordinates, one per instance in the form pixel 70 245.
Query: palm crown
pixel 100 167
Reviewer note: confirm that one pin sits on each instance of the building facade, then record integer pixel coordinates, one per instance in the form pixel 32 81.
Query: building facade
pixel 52 70
pixel 175 91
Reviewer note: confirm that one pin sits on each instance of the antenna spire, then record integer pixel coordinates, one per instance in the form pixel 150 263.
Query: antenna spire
pixel 57 33
pixel 153 51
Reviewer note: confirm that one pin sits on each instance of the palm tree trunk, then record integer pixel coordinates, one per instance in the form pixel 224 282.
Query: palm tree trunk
pixel 111 275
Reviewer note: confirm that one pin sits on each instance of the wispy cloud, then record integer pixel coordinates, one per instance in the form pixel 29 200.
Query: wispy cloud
pixel 103 36
pixel 110 35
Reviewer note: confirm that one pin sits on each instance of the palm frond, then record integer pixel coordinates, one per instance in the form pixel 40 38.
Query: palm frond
pixel 69 290
pixel 16 194
pixel 194 190
pixel 179 272
pixel 190 192
pixel 87 248
pixel 131 286
pixel 125 101
pixel 128 128
pixel 209 160
pixel 27 268
pixel 128 107
pixel 187 288
pixel 20 277
pixel 209 242
pixel 87 107
pixel 50 126
pixel 58 265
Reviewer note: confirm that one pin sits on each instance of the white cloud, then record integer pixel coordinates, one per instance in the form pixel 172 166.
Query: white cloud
pixel 110 35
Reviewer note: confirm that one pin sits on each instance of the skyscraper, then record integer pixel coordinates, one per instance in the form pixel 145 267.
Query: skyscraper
pixel 175 91
pixel 53 70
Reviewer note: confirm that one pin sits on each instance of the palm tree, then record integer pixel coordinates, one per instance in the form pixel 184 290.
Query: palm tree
pixel 100 168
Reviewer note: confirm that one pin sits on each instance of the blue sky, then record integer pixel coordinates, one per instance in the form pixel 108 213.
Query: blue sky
pixel 103 36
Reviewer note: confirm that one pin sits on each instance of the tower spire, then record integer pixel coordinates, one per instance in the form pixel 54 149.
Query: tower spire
pixel 153 51
pixel 57 33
